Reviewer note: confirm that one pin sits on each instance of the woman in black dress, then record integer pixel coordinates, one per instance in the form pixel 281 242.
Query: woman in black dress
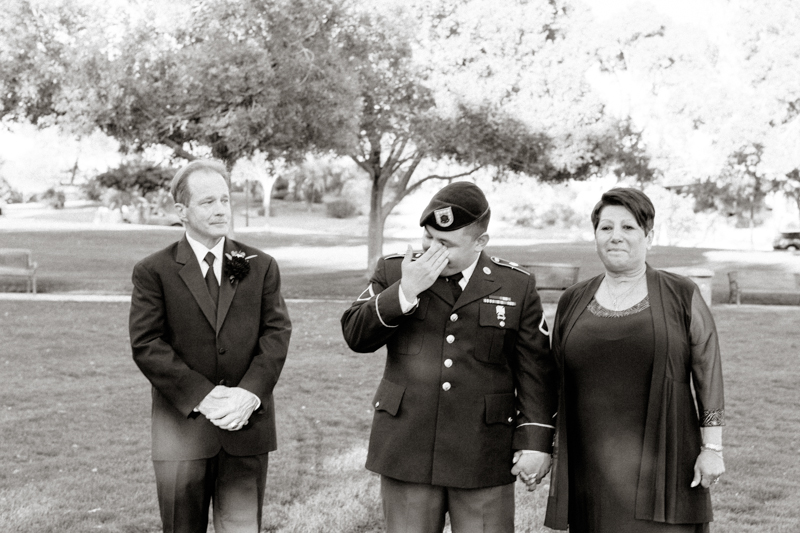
pixel 636 451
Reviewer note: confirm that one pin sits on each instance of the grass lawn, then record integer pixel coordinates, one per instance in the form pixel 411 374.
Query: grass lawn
pixel 102 261
pixel 74 420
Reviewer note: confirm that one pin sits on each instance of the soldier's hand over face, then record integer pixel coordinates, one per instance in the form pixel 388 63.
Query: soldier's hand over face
pixel 419 275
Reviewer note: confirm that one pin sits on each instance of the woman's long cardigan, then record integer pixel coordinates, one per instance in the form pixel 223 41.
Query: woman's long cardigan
pixel 686 354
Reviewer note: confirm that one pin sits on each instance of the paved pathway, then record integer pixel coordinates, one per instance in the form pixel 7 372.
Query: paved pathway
pixel 118 298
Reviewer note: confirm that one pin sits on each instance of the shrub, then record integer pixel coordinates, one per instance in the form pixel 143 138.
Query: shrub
pixel 341 208
pixel 54 198
pixel 9 193
pixel 138 175
pixel 93 190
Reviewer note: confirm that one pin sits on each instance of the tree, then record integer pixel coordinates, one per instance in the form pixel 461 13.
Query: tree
pixel 789 185
pixel 740 189
pixel 459 90
pixel 142 177
pixel 226 79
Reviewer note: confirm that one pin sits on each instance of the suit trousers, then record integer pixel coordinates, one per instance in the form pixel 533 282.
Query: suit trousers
pixel 235 485
pixel 421 508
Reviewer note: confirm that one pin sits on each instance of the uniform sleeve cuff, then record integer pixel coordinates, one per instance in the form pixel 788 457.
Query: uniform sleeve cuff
pixel 537 437
pixel 387 305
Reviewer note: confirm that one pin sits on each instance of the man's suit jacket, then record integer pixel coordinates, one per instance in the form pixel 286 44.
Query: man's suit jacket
pixel 185 348
pixel 466 382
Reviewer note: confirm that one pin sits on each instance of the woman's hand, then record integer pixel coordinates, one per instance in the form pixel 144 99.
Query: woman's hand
pixel 708 467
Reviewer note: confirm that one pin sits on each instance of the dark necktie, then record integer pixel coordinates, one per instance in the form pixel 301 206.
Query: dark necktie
pixel 211 279
pixel 454 286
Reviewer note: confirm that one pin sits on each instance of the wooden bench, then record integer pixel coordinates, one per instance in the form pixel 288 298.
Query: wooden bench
pixel 17 262
pixel 553 276
pixel 780 293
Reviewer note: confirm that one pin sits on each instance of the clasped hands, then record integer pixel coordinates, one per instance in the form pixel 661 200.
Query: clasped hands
pixel 228 407
pixel 531 466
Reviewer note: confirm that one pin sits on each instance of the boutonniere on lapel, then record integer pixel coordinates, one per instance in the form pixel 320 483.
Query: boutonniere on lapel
pixel 237 266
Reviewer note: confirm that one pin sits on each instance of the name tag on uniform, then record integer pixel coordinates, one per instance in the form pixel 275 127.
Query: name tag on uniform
pixel 500 300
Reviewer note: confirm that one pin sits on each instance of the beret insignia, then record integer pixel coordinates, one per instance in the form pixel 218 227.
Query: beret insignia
pixel 444 216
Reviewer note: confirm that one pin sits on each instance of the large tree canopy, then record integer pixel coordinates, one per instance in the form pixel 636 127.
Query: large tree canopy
pixel 707 96
pixel 472 83
pixel 479 85
pixel 231 78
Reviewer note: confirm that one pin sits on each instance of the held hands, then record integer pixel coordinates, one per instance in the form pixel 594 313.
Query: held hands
pixel 708 467
pixel 228 407
pixel 531 467
pixel 419 275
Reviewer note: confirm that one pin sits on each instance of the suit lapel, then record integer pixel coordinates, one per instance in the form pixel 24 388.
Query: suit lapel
pixel 480 284
pixel 226 289
pixel 192 276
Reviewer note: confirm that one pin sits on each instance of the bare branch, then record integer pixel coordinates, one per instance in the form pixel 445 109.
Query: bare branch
pixel 417 158
pixel 362 164
pixel 394 162
pixel 416 185
pixel 178 149
pixel 401 186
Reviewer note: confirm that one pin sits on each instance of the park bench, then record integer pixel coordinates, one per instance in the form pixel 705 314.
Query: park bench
pixel 781 290
pixel 553 276
pixel 17 262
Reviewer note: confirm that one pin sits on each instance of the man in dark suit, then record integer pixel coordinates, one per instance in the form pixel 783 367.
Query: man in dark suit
pixel 468 393
pixel 209 329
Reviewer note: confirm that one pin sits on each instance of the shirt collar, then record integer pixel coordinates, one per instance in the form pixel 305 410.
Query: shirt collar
pixel 200 249
pixel 467 272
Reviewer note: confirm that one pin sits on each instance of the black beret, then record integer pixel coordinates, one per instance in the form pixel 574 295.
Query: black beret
pixel 455 206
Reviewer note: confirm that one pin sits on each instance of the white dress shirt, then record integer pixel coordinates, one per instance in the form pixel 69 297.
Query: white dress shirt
pixel 200 251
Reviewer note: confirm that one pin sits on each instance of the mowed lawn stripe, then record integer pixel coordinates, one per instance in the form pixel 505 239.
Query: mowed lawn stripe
pixel 75 442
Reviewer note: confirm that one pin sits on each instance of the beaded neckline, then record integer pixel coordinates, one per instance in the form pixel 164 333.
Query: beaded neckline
pixel 598 310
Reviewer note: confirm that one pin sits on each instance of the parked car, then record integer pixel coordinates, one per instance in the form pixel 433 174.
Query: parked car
pixel 787 240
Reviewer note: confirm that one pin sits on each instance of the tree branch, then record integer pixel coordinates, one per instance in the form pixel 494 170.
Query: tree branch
pixel 417 157
pixel 416 185
pixel 361 164
pixel 178 149
pixel 394 162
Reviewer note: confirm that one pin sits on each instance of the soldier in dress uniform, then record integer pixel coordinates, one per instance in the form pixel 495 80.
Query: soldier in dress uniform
pixel 468 394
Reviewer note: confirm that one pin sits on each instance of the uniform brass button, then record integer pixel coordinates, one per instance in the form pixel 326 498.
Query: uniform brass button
pixel 377 404
pixel 453 317
pixel 222 350
pixel 502 323
pixel 448 363
pixel 450 339
pixel 510 419
pixel 445 386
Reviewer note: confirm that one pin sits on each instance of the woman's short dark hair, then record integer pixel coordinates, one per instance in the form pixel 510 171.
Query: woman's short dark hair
pixel 178 187
pixel 631 199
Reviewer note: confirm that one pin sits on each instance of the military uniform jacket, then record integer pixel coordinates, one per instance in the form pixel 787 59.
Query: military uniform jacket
pixel 466 382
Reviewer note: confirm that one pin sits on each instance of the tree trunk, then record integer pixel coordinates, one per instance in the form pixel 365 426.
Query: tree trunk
pixel 376 224
pixel 797 201
pixel 267 180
